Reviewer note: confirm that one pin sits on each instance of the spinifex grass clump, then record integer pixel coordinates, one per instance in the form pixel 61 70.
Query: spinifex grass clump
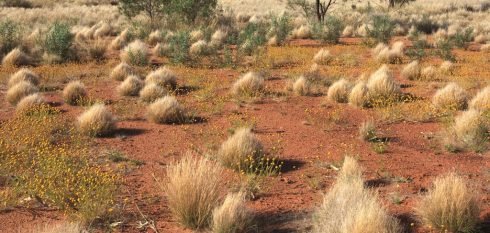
pixel 244 153
pixel 450 205
pixel 192 191
pixel 348 207
pixel 43 159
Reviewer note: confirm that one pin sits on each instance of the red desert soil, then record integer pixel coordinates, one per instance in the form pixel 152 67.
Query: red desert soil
pixel 297 129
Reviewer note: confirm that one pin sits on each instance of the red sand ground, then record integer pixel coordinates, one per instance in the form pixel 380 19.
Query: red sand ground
pixel 297 128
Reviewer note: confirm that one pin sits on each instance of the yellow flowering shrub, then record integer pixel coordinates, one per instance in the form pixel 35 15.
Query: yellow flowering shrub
pixel 43 159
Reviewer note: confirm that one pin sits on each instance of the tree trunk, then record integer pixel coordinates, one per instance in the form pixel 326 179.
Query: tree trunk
pixel 318 11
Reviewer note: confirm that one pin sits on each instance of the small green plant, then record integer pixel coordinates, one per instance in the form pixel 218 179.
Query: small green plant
pixel 417 51
pixel 380 147
pixel 58 40
pixel 444 50
pixel 382 28
pixel 9 36
pixel 263 166
pixel 462 38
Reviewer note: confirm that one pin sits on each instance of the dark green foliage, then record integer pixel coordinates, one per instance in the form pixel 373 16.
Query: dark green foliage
pixel 16 3
pixel 9 36
pixel 426 25
pixel 191 10
pixel 329 31
pixel 187 11
pixel 382 28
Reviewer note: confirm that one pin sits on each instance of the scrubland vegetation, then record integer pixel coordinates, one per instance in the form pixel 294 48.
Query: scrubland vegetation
pixel 244 116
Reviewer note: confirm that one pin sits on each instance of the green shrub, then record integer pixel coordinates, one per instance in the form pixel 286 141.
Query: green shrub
pixel 382 28
pixel 252 37
pixel 329 31
pixel 281 27
pixel 179 47
pixel 58 40
pixel 9 36
pixel 191 10
pixel 139 30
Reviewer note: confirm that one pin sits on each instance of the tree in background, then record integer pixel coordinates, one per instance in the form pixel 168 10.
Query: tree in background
pixel 187 11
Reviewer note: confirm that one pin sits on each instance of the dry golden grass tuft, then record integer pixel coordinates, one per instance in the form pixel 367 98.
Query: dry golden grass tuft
pixel 24 75
pixel 155 37
pixel 120 41
pixel 323 57
pixel 198 48
pixel 481 101
pixel 197 35
pixel 192 191
pixel 16 58
pixel 103 30
pixel 385 54
pixel 348 31
pixel 19 91
pixel 412 71
pixel 136 53
pixel 469 132
pixel 485 47
pixel 121 71
pixel 367 131
pixel 447 67
pixel 74 93
pixel 302 86
pixel 97 121
pixel 242 145
pixel 218 37
pixel 232 215
pixel 382 84
pixel 65 227
pixel 29 103
pixel 161 49
pixel 358 96
pixel 451 97
pixel 165 110
pixel 131 86
pixel 249 84
pixel 450 205
pixel 349 208
pixel 351 172
pixel 163 77
pixel 429 73
pixel 379 47
pixel 152 92
pixel 339 91
pixel 303 32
